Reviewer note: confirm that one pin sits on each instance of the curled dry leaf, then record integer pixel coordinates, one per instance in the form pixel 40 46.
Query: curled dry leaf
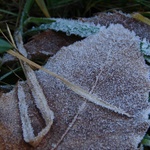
pixel 109 65
pixel 39 99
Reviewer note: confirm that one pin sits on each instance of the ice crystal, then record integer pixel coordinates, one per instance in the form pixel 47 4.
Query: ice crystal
pixel 145 47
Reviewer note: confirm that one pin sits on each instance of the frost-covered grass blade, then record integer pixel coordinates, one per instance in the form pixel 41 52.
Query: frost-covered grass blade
pixel 69 27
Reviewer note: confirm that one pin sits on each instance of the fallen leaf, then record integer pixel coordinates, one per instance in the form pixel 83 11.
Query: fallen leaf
pixel 108 65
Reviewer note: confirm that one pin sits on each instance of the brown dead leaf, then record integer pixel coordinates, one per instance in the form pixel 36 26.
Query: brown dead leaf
pixel 48 43
pixel 111 64
pixel 141 29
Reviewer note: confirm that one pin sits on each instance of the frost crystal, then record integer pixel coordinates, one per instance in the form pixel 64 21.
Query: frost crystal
pixel 145 47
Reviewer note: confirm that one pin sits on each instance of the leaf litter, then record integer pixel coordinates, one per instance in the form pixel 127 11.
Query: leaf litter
pixel 110 65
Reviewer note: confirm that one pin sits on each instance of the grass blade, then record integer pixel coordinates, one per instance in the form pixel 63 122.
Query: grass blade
pixel 141 18
pixel 38 20
pixel 43 7
pixel 9 73
pixel 76 89
pixel 4 46
pixel 25 12
pixel 8 12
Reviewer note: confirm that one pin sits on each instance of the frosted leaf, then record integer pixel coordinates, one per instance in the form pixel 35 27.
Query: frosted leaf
pixel 109 65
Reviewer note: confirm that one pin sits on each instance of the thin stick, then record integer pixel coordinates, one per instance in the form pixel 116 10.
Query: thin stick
pixel 11 38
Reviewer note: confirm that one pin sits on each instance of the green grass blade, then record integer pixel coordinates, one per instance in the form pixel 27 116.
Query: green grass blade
pixel 146 140
pixel 25 13
pixel 4 46
pixel 38 20
pixel 9 73
pixel 43 7
pixel 8 12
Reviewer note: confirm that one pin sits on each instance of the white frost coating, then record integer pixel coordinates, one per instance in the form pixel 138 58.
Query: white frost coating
pixel 145 114
pixel 26 122
pixel 41 104
pixel 145 47
pixel 39 98
pixel 125 14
